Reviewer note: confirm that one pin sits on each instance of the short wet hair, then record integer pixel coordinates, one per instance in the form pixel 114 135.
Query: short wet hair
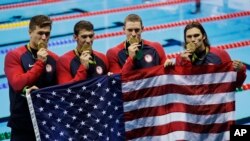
pixel 40 21
pixel 133 18
pixel 83 25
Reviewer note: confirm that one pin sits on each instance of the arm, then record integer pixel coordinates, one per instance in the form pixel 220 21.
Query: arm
pixel 113 62
pixel 182 62
pixel 128 66
pixel 241 76
pixel 238 66
pixel 161 53
pixel 64 74
pixel 15 74
pixel 132 51
pixel 105 60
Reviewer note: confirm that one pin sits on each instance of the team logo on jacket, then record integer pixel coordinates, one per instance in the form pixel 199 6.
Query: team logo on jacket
pixel 48 68
pixel 148 58
pixel 99 70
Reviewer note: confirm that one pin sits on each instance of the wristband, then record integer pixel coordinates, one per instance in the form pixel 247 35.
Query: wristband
pixel 24 90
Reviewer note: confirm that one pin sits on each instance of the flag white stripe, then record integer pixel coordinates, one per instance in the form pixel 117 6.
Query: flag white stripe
pixel 177 116
pixel 205 99
pixel 33 117
pixel 190 136
pixel 211 78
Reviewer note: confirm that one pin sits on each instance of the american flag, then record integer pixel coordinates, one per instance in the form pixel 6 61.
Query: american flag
pixel 154 104
pixel 90 110
pixel 179 103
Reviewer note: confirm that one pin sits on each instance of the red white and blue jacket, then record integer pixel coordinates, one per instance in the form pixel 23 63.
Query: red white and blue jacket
pixel 70 69
pixel 119 61
pixel 215 56
pixel 22 69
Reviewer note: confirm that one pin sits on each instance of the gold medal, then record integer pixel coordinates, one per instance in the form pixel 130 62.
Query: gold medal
pixel 191 46
pixel 41 44
pixel 133 40
pixel 85 48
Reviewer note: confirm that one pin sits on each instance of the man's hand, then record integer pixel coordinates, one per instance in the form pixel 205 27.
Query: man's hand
pixel 42 54
pixel 85 58
pixel 237 65
pixel 169 62
pixel 190 49
pixel 29 90
pixel 110 73
pixel 132 49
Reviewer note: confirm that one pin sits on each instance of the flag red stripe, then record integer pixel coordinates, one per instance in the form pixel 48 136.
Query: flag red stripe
pixel 177 126
pixel 185 90
pixel 187 70
pixel 180 107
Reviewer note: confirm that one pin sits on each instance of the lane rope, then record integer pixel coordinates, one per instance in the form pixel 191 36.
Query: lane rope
pixel 26 4
pixel 159 27
pixel 181 23
pixel 150 28
pixel 94 13
pixel 225 46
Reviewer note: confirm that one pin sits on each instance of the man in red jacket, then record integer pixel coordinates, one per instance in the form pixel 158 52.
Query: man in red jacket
pixel 198 51
pixel 82 62
pixel 29 67
pixel 135 52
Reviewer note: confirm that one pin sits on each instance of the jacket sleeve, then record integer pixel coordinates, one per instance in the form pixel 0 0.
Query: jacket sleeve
pixel 113 62
pixel 241 76
pixel 64 74
pixel 128 66
pixel 182 62
pixel 15 74
pixel 161 53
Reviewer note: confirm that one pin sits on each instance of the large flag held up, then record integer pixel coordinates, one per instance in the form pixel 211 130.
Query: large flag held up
pixel 177 103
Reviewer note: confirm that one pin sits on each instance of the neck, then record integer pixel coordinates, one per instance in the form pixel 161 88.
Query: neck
pixel 201 49
pixel 32 46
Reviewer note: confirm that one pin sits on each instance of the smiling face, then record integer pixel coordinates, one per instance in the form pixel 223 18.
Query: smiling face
pixel 195 36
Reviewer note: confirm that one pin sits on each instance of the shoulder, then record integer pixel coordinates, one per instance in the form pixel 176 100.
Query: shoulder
pixel 116 48
pixel 99 54
pixel 53 55
pixel 152 44
pixel 67 56
pixel 214 49
pixel 222 54
pixel 156 45
pixel 18 52
pixel 218 51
